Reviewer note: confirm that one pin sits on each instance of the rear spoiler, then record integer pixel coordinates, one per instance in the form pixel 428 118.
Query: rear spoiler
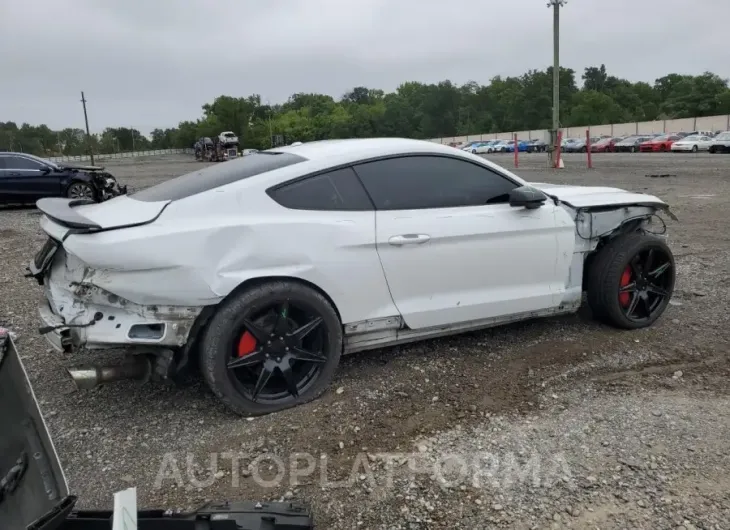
pixel 62 212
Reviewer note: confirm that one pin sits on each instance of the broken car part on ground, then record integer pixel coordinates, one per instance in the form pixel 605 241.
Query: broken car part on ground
pixel 263 271
pixel 34 494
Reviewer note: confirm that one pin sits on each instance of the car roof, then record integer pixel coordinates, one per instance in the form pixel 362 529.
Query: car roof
pixel 355 149
pixel 25 155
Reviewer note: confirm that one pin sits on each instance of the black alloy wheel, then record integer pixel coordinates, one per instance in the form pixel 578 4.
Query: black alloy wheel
pixel 645 285
pixel 630 280
pixel 271 347
pixel 81 190
pixel 279 353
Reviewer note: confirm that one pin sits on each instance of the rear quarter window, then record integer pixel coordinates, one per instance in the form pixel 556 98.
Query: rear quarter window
pixel 217 175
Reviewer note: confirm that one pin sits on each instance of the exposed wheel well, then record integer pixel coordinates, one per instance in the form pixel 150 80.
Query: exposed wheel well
pixel 187 357
pixel 627 227
pixel 251 282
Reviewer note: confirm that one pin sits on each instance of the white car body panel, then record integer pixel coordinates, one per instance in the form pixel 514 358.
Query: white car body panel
pixel 591 196
pixel 475 263
pixel 479 266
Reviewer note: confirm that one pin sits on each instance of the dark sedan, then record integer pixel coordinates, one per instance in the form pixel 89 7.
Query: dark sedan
pixel 26 178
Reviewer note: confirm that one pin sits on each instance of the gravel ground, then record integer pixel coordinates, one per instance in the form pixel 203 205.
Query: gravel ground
pixel 548 424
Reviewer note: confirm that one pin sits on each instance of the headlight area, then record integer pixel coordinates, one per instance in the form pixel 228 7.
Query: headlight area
pixel 108 186
pixel 77 313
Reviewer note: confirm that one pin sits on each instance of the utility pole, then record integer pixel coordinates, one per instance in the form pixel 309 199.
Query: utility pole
pixel 88 134
pixel 555 5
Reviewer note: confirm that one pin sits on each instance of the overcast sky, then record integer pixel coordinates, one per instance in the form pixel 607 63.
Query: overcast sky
pixel 153 63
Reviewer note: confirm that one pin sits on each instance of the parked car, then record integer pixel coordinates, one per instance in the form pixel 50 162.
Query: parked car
pixel 693 143
pixel 214 265
pixel 720 143
pixel 497 146
pixel 631 144
pixel 605 145
pixel 469 145
pixel 26 178
pixel 510 146
pixel 660 143
pixel 481 148
pixel 537 146
pixel 573 145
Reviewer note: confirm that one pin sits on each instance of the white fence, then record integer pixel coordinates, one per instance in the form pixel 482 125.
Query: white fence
pixel 705 123
pixel 112 156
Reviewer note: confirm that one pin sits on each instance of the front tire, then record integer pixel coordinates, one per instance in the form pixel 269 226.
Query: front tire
pixel 694 149
pixel 271 347
pixel 81 190
pixel 631 281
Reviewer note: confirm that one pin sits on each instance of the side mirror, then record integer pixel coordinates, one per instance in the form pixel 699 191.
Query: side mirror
pixel 526 197
pixel 45 170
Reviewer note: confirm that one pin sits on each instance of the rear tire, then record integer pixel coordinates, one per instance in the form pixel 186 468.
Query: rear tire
pixel 621 264
pixel 257 309
pixel 694 149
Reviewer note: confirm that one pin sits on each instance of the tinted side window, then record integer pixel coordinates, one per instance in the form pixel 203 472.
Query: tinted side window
pixel 3 165
pixel 18 162
pixel 337 190
pixel 217 175
pixel 416 182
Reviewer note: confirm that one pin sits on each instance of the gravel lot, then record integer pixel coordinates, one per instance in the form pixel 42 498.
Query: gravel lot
pixel 548 424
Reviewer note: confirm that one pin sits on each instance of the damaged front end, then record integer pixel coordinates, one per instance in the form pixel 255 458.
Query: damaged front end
pixel 106 184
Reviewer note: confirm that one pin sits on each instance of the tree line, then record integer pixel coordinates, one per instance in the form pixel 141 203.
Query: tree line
pixel 415 110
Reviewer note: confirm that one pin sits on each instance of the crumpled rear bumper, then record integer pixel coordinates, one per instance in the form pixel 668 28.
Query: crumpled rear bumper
pixel 76 313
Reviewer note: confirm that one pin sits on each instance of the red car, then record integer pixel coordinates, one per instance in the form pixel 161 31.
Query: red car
pixel 659 144
pixel 605 145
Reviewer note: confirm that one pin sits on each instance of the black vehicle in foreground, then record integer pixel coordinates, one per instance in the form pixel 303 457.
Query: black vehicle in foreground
pixel 26 178
pixel 34 494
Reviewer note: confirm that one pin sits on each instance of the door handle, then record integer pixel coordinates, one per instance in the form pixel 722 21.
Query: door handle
pixel 409 239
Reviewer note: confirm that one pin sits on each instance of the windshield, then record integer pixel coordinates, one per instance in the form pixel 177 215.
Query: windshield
pixel 691 138
pixel 661 138
pixel 723 136
pixel 229 135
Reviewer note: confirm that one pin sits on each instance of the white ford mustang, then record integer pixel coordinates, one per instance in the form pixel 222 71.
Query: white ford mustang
pixel 266 269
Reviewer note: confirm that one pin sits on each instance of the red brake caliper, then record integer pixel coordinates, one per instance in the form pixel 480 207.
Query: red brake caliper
pixel 246 344
pixel 625 298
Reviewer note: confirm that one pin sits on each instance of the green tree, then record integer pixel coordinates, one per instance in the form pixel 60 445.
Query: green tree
pixel 414 109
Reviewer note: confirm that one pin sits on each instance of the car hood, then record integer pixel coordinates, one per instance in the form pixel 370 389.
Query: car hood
pixel 627 142
pixel 39 494
pixel 597 196
pixel 80 167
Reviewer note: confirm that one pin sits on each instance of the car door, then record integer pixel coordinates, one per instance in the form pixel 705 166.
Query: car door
pixel 454 250
pixel 27 180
